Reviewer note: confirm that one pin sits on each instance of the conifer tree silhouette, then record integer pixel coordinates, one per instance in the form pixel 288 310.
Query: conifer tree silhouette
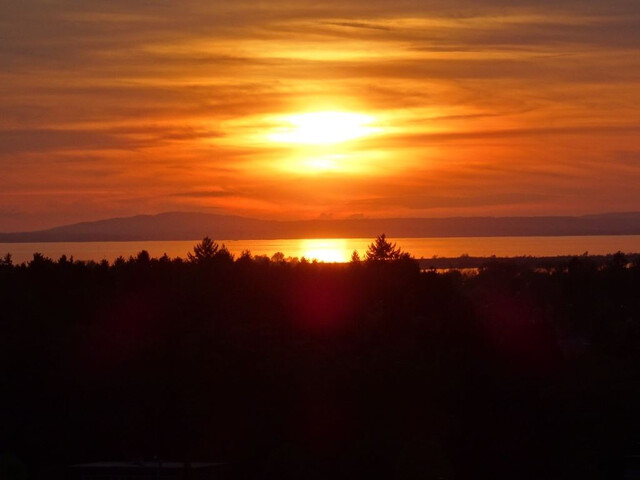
pixel 383 250
pixel 203 251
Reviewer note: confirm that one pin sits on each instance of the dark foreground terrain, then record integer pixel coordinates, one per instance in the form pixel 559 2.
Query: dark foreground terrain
pixel 296 370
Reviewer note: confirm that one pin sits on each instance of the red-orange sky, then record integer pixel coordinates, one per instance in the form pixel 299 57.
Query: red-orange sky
pixel 301 109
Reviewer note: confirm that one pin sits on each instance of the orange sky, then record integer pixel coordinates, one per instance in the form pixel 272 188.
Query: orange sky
pixel 435 108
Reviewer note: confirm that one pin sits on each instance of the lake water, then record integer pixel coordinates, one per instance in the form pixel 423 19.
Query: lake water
pixel 340 249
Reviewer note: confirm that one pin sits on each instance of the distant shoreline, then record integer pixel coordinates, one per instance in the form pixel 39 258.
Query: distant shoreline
pixel 186 226
pixel 467 262
pixel 336 237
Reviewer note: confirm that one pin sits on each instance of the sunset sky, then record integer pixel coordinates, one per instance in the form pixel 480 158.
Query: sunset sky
pixel 304 109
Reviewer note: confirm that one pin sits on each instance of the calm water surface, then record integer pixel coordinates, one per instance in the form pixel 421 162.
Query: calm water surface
pixel 339 249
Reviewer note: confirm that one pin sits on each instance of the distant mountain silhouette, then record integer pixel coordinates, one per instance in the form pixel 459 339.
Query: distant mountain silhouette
pixel 192 226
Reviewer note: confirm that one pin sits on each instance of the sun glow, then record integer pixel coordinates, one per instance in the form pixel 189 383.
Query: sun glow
pixel 323 163
pixel 323 128
pixel 325 249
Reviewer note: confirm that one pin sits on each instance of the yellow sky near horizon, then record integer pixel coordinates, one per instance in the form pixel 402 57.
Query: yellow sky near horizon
pixel 303 109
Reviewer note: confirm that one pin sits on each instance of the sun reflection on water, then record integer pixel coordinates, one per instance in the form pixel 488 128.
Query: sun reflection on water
pixel 325 249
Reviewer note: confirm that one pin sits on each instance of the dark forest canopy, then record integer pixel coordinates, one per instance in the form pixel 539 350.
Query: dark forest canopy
pixel 309 370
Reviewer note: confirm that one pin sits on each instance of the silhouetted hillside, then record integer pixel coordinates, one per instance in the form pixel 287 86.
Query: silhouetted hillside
pixel 287 370
pixel 189 226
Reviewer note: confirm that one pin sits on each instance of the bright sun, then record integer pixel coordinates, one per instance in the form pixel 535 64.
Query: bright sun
pixel 323 128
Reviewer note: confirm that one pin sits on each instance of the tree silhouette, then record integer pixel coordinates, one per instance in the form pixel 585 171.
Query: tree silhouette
pixel 203 251
pixel 7 261
pixel 278 257
pixel 143 257
pixel 39 260
pixel 383 250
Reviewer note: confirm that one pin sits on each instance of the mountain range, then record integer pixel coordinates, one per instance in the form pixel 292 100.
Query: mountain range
pixel 193 226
